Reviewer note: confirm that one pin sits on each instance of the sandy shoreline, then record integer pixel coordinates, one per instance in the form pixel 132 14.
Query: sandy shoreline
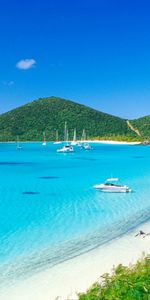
pixel 87 141
pixel 114 142
pixel 78 274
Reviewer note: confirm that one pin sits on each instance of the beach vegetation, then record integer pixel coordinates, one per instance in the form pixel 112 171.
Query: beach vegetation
pixel 125 283
pixel 143 125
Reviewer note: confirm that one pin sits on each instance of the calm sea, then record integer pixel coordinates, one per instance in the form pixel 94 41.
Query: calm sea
pixel 49 211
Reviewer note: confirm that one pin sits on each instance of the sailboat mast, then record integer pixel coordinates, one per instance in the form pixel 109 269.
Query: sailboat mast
pixel 74 136
pixel 67 136
pixel 44 139
pixel 18 145
pixel 56 135
pixel 83 135
pixel 65 132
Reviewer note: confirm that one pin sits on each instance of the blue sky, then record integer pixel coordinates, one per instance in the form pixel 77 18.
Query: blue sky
pixel 95 52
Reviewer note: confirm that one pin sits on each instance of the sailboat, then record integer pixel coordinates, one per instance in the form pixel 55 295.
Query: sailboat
pixel 57 140
pixel 44 139
pixel 83 138
pixel 18 147
pixel 67 148
pixel 74 142
pixel 85 145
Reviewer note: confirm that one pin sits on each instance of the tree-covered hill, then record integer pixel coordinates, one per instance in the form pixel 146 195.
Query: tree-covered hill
pixel 143 125
pixel 50 114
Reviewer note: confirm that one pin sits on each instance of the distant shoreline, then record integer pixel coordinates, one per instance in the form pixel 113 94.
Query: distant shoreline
pixel 111 142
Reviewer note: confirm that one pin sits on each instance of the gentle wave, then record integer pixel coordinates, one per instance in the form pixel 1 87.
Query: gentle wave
pixel 49 211
pixel 26 266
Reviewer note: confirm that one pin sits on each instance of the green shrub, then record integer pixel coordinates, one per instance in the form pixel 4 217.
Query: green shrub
pixel 125 283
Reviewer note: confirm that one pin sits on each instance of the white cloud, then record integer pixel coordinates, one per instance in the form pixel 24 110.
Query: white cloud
pixel 26 64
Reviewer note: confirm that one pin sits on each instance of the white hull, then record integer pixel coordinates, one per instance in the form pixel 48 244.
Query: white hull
pixel 87 147
pixel 56 143
pixel 66 149
pixel 112 189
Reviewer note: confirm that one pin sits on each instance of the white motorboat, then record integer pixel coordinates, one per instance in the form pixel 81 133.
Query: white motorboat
pixel 66 149
pixel 111 186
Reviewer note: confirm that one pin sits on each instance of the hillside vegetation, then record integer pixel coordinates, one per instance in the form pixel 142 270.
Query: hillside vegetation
pixel 143 125
pixel 131 283
pixel 50 114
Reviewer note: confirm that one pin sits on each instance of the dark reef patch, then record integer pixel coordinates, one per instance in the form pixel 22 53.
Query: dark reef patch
pixel 30 193
pixel 11 163
pixel 49 177
pixel 15 163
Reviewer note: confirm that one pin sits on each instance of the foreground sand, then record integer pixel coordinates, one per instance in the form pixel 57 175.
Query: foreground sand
pixel 78 274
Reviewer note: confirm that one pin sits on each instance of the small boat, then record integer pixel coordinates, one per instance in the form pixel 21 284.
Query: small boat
pixel 18 147
pixel 74 142
pixel 57 143
pixel 111 186
pixel 83 137
pixel 66 149
pixel 44 139
pixel 57 140
pixel 86 146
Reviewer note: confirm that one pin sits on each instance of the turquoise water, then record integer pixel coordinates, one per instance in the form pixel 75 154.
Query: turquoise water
pixel 49 211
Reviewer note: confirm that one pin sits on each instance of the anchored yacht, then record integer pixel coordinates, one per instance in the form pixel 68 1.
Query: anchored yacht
pixel 86 146
pixel 112 186
pixel 66 149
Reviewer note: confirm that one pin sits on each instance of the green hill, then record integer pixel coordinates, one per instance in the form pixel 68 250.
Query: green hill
pixel 50 114
pixel 143 125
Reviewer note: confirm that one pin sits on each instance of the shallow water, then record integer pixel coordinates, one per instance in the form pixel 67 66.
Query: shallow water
pixel 49 211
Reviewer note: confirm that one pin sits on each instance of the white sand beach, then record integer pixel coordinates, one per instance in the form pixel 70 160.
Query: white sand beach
pixel 67 279
pixel 113 142
pixel 86 141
